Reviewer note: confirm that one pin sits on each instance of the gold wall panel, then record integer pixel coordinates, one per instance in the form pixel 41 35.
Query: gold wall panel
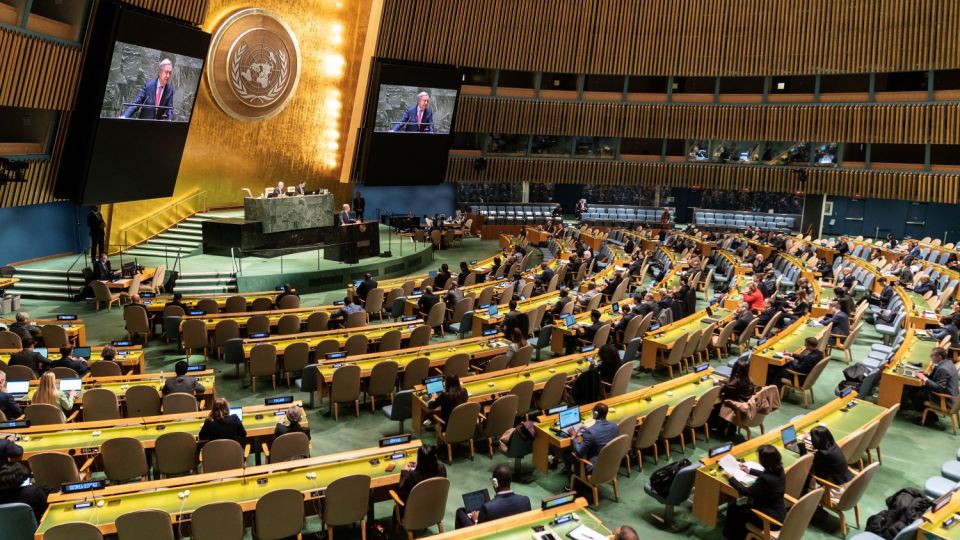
pixel 674 37
pixel 305 141
pixel 935 123
pixel 186 10
pixel 910 186
pixel 36 73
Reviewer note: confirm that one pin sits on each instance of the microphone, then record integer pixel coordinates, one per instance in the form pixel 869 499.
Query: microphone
pixel 243 473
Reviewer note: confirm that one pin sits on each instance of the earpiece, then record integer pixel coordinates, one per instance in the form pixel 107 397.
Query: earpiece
pixel 495 484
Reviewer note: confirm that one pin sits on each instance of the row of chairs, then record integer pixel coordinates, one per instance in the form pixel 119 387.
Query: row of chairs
pixel 742 220
pixel 54 337
pixel 102 404
pixel 620 216
pixel 515 215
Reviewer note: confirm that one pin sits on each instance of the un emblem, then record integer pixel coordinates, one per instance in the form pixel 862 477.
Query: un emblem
pixel 254 65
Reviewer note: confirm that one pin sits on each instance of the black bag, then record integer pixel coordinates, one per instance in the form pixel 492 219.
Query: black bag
pixel 903 508
pixel 853 377
pixel 885 317
pixel 662 478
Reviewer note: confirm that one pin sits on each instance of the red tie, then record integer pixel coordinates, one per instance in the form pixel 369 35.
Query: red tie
pixel 159 93
pixel 419 115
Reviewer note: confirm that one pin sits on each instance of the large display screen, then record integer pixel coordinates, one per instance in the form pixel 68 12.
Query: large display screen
pixel 134 104
pixel 409 114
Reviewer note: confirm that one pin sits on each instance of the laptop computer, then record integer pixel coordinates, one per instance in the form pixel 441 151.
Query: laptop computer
pixel 789 436
pixel 82 352
pixel 492 310
pixel 434 385
pixel 432 273
pixel 18 389
pixel 41 350
pixel 238 412
pixel 71 385
pixel 475 499
pixel 570 418
pixel 569 320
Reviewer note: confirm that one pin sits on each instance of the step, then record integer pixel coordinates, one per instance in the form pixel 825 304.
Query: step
pixel 172 235
pixel 212 282
pixel 191 289
pixel 207 274
pixel 46 286
pixel 171 242
pixel 145 251
pixel 44 295
pixel 193 225
pixel 28 270
pixel 49 279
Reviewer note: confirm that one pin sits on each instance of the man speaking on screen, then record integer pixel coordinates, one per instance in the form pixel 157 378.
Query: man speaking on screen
pixel 156 96
pixel 418 118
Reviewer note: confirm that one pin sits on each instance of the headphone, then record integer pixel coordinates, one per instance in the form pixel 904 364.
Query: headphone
pixel 495 484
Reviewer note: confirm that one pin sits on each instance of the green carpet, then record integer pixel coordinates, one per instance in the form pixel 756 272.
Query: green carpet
pixel 903 464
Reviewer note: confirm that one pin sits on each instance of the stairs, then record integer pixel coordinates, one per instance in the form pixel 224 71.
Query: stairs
pixel 47 284
pixel 187 235
pixel 205 283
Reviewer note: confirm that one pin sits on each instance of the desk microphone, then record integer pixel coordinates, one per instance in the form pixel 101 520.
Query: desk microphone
pixel 243 474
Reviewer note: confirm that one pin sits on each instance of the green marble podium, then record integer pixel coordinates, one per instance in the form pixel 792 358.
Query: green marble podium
pixel 282 214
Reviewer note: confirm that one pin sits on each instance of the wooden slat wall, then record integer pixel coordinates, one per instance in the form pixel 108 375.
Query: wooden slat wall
pixel 36 73
pixel 874 123
pixel 193 11
pixel 911 186
pixel 37 189
pixel 673 37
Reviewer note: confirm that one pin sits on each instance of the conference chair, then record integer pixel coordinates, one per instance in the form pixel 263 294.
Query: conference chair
pixel 296 357
pixel 680 491
pixel 435 317
pixel 209 306
pixel 171 328
pixel 100 404
pixel 846 345
pixel 133 288
pixel 20 373
pixel 382 381
pixel 793 526
pixel 19 522
pixel 141 401
pixel 194 335
pixel 346 502
pixel 124 459
pixel 43 414
pixel 398 307
pixel 619 384
pixel 346 389
pixel 497 420
pixel 54 336
pixel 861 447
pixel 325 347
pixel 700 414
pixel 176 454
pixel 261 304
pixel 147 524
pixel 605 470
pixel 465 322
pixel 103 294
pixel 224 331
pixel 542 340
pixel 64 373
pixel 521 357
pixel 675 424
pixel 424 508
pixel 291 301
pixel 287 446
pixel 258 324
pixel 524 392
pixel 357 319
pixel 374 304
pixel 458 364
pixel 105 369
pixel 793 382
pixel 553 392
pixel 263 362
pixel 415 372
pixel 884 424
pixel 459 428
pixel 675 355
pixel 279 514
pixel 288 324
pixel 497 363
pixel 318 321
pixel 907 533
pixel 222 455
pixel 9 340
pixel 53 469
pixel 851 445
pixel 356 345
pixel 850 497
pixel 390 341
pixel 179 403
pixel 400 409
pixel 235 304
pixel 73 530
pixel 218 521
pixel 721 342
pixel 155 284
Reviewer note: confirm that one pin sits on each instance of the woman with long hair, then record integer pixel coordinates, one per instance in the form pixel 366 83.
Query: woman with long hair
pixel 453 395
pixel 609 363
pixel 828 461
pixel 220 424
pixel 517 341
pixel 766 495
pixel 424 468
pixel 47 392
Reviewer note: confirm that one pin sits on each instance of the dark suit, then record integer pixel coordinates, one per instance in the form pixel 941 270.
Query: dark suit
pixel 9 406
pixel 948 330
pixel 97 234
pixel 841 324
pixel 594 439
pixel 409 122
pixel 742 321
pixel 8 450
pixel 77 365
pixel 102 272
pixel 31 359
pixel 347 217
pixel 358 204
pixel 148 96
pixel 886 295
pixel 365 287
pixel 426 302
pixel 503 504
pixel 546 276
pixel 186 385
pixel 300 191
pixel 830 465
pixel 801 363
pixel 283 429
pixel 767 496
pixel 924 288
pixel 440 281
pixel 847 281
pixel 942 380
pixel 228 427
pixel 765 317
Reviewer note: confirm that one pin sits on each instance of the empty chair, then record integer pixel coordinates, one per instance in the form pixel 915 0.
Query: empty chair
pixel 374 304
pixel 105 369
pixel 103 294
pixel 420 336
pixel 390 341
pixel 318 321
pixel 258 324
pixel 680 490
pixel 218 521
pixel 356 344
pixel 147 524
pixel 194 335
pixel 263 362
pixel 425 506
pixel 222 455
pixel 176 453
pixel 124 459
pixel 288 446
pixel 308 381
pixel 701 414
pixel 605 469
pixel 53 469
pixel 325 347
pixel 415 372
pixel 400 409
pixel 288 324
pixel 382 381
pixel 279 514
pixel 884 424
pixel 346 502
pixel 9 340
pixel 100 404
pixel 296 357
pixel 235 304
pixel 208 306
pixel 290 301
pixel 460 428
pixel 346 389
pixel 850 498
pixel 435 317
pixel 676 422
pixel 552 394
pixel 458 364
pixel 179 403
pixel 73 530
pixel 141 401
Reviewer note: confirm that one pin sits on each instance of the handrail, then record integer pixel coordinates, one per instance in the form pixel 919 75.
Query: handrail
pixel 201 207
pixel 69 283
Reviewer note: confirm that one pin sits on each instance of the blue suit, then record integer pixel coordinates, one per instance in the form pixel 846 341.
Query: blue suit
pixel 504 504
pixel 409 121
pixel 841 324
pixel 148 96
pixel 9 406
pixel 594 439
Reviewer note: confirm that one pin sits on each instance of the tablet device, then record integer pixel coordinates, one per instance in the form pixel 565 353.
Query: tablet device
pixel 475 499
pixel 434 385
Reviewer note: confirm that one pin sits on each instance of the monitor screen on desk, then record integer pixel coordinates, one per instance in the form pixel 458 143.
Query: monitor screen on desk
pixel 569 417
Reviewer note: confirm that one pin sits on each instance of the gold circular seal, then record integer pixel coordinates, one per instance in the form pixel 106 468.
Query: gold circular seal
pixel 253 66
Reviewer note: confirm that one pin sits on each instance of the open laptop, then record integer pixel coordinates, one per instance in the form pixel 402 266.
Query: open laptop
pixel 432 273
pixel 82 352
pixel 570 418
pixel 238 412
pixel 475 499
pixel 434 385
pixel 18 389
pixel 569 320
pixel 492 310
pixel 789 436
pixel 71 385
pixel 42 351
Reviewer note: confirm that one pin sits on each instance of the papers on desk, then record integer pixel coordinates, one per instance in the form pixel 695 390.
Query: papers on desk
pixel 780 355
pixel 584 533
pixel 730 465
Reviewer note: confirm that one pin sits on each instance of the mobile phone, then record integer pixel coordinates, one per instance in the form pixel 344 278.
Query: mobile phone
pixel 391 467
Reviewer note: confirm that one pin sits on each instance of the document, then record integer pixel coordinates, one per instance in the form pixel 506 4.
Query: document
pixel 730 465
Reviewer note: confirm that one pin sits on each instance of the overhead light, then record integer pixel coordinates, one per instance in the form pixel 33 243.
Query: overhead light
pixel 781 86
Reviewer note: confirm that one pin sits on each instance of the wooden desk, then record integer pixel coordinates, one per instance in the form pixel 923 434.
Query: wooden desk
pixel 77 439
pixel 487 387
pixel 548 442
pixel 789 340
pixel 273 316
pixel 711 487
pixel 395 283
pixel 241 486
pixel 373 334
pixel 479 348
pixel 672 332
pixel 6 283
pixel 561 332
pixel 483 321
pixel 76 331
pixel 823 251
pixel 932 528
pixel 123 283
pixel 592 242
pixel 520 526
pixel 915 349
pixel 156 304
pixel 128 357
